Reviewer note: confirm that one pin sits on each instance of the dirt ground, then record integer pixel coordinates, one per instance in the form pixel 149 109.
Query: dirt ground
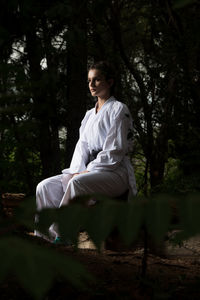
pixel 172 273
pixel 118 274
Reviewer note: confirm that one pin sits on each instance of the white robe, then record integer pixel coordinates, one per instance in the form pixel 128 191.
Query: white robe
pixel 102 150
pixel 105 133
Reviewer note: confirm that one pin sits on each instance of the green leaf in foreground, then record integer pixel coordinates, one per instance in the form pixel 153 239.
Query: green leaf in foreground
pixel 130 219
pixel 101 220
pixel 71 220
pixel 36 267
pixel 158 216
pixel 189 209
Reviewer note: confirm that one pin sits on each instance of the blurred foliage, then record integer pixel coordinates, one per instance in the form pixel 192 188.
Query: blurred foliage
pixel 176 181
pixel 36 266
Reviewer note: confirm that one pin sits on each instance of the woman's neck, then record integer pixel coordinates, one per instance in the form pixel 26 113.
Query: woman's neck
pixel 102 100
pixel 100 103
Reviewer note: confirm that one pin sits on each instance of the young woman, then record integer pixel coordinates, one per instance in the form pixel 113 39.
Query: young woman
pixel 100 163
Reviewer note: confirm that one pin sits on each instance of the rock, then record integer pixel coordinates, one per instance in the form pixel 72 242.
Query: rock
pixel 9 201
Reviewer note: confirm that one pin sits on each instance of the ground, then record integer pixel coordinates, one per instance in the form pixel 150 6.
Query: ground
pixel 118 274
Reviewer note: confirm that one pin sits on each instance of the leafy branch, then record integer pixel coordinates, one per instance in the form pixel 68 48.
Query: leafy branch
pixel 36 267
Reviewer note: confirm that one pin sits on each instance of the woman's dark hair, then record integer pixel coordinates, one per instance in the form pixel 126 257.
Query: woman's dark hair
pixel 106 69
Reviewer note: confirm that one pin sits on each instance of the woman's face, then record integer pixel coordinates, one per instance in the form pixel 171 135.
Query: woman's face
pixel 98 85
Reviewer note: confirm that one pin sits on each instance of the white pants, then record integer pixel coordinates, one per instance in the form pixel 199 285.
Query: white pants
pixel 59 190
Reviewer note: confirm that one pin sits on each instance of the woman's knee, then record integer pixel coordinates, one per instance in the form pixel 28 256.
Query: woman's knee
pixel 76 187
pixel 47 183
pixel 73 182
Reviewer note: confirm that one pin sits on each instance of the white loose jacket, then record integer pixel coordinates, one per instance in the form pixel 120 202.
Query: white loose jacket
pixel 105 139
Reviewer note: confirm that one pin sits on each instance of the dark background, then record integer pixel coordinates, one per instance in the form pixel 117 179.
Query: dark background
pixel 45 49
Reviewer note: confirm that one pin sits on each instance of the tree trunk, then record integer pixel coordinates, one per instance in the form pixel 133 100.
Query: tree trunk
pixel 77 76
pixel 52 70
pixel 39 98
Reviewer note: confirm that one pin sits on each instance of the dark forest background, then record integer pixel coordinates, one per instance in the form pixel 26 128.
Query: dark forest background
pixel 45 49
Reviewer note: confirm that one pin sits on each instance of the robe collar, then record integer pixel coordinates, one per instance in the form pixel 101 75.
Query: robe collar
pixel 112 98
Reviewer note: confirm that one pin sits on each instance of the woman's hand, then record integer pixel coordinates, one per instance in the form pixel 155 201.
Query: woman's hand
pixel 83 172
